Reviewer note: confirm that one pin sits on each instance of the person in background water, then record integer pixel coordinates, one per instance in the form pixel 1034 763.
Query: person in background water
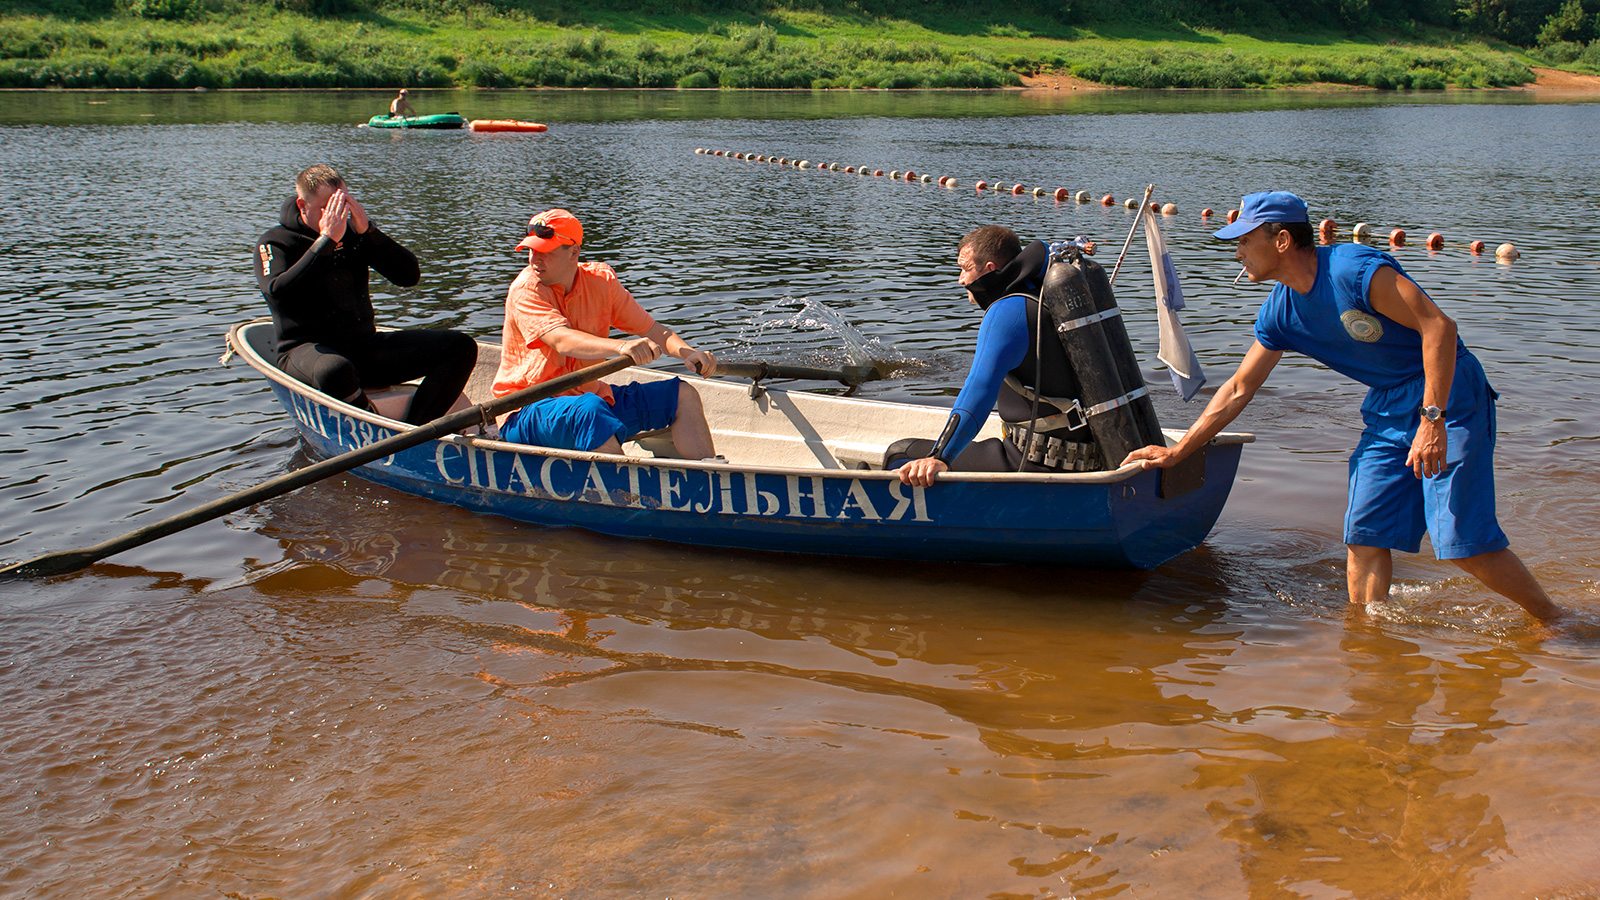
pixel 1425 461
pixel 400 106
pixel 1003 279
pixel 312 269
pixel 559 317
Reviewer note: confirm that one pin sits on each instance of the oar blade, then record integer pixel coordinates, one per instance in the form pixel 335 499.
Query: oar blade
pixel 62 563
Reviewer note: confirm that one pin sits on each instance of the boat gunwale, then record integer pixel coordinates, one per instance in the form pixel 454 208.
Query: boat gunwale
pixel 238 344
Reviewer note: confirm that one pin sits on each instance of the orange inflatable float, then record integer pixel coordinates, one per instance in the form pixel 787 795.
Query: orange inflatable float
pixel 505 125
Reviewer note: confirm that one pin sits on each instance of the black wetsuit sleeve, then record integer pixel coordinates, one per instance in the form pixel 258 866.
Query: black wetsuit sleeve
pixel 282 277
pixel 388 257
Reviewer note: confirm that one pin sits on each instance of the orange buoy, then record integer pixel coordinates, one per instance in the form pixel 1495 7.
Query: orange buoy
pixel 1326 230
pixel 1476 247
pixel 910 175
pixel 877 173
pixel 1233 216
pixel 1108 200
pixel 1206 213
pixel 1061 195
pixel 1018 189
pixel 1436 241
pixel 1169 209
pixel 1155 207
pixel 849 170
pixel 1506 252
pixel 981 185
pixel 718 153
pixel 1397 237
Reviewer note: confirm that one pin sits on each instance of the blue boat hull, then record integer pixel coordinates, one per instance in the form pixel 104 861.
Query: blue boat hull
pixel 1115 522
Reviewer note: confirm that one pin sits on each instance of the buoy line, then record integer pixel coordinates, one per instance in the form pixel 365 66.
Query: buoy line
pixel 1327 229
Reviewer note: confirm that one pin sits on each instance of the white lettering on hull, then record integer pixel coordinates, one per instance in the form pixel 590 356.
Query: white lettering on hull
pixel 717 491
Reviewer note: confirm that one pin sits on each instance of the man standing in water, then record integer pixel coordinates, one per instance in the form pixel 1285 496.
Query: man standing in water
pixel 1425 460
pixel 313 269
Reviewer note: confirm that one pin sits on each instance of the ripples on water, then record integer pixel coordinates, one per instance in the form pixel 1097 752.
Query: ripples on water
pixel 350 692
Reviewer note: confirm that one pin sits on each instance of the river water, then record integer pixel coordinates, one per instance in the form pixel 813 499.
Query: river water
pixel 348 692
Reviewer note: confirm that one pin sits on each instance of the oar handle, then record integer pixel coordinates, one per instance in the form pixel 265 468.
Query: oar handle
pixel 72 560
pixel 761 371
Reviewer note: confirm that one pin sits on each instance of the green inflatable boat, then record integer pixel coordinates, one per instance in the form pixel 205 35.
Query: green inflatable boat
pixel 447 120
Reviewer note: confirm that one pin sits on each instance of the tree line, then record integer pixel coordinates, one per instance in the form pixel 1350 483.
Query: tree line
pixel 1524 23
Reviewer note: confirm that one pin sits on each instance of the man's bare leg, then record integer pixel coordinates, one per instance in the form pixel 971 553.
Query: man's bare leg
pixel 1369 571
pixel 691 435
pixel 1503 572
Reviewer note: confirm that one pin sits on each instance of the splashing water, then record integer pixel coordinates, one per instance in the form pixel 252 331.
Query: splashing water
pixel 808 332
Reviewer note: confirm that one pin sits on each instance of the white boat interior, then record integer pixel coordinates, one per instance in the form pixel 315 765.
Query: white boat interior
pixel 770 427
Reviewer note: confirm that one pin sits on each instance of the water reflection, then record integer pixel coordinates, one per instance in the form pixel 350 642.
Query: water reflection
pixel 1387 815
pixel 354 692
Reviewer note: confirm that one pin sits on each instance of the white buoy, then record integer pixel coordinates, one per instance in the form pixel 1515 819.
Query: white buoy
pixel 1361 232
pixel 1507 252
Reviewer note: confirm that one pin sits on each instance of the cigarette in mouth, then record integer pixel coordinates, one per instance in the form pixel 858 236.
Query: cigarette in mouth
pixel 1242 272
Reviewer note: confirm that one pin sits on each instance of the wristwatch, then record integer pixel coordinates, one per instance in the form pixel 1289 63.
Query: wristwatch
pixel 1433 413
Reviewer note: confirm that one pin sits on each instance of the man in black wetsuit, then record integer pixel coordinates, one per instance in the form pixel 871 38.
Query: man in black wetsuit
pixel 1013 361
pixel 312 269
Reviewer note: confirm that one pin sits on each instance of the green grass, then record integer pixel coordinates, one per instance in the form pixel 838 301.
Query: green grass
pixel 257 47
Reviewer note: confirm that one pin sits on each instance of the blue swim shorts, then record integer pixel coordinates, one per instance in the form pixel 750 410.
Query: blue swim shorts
pixel 586 421
pixel 1391 507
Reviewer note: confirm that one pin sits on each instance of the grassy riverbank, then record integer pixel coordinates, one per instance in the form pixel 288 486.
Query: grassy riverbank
pixel 264 47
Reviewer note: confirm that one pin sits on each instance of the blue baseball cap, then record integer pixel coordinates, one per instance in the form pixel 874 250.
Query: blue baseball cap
pixel 1256 210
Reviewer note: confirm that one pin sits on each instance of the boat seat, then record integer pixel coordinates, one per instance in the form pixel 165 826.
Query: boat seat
pixel 391 403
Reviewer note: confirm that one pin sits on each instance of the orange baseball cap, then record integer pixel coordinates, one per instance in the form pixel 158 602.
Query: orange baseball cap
pixel 551 229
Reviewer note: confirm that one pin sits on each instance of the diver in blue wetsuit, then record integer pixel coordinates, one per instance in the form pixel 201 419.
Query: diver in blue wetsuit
pixel 1029 379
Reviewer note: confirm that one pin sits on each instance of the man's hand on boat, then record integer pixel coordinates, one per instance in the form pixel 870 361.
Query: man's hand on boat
pixel 922 472
pixel 1153 457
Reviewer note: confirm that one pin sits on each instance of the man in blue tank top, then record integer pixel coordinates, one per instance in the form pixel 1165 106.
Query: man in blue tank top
pixel 1425 461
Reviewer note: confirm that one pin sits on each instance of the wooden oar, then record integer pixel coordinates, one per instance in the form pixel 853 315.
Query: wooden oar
pixel 760 371
pixel 72 560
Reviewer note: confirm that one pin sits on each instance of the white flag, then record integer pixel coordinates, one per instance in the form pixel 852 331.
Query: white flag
pixel 1187 376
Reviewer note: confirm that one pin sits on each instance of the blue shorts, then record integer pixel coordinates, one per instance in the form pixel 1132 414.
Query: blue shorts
pixel 586 421
pixel 1391 507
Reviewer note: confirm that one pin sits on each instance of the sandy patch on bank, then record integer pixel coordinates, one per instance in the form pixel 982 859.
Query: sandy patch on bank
pixel 1555 80
pixel 1546 81
pixel 1052 81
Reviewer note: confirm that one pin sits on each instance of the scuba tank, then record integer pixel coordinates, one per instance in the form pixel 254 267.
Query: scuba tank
pixel 1077 295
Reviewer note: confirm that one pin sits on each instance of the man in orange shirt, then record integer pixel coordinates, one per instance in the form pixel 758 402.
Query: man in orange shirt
pixel 559 317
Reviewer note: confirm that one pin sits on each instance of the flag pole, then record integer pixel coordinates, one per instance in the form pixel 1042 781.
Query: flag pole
pixel 1144 207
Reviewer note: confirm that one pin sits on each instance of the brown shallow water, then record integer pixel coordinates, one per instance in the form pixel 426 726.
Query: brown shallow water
pixel 348 692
